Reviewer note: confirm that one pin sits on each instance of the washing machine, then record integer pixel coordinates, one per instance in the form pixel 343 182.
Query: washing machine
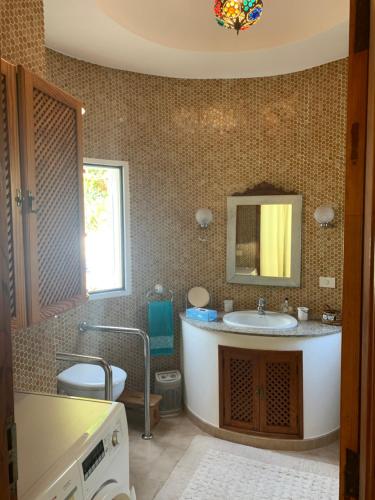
pixel 71 449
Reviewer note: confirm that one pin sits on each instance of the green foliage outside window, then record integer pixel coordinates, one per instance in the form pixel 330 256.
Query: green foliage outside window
pixel 96 197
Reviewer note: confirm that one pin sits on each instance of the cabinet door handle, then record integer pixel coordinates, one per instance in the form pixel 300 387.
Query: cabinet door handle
pixel 31 198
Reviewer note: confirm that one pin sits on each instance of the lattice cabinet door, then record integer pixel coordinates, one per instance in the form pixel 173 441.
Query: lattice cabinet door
pixel 281 402
pixel 13 194
pixel 52 168
pixel 239 389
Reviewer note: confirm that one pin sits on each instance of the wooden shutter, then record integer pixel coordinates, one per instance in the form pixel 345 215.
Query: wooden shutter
pixel 52 170
pixel 10 160
pixel 281 395
pixel 239 389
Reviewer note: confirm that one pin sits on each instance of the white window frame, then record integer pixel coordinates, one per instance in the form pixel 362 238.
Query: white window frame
pixel 126 229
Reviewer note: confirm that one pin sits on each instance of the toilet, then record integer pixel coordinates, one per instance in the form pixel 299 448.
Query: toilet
pixel 83 380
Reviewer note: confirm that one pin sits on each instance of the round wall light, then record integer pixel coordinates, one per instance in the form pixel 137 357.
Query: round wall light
pixel 204 217
pixel 324 216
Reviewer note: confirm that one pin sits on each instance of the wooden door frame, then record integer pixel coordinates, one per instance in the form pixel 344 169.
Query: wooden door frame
pixel 367 415
pixel 357 447
pixel 6 377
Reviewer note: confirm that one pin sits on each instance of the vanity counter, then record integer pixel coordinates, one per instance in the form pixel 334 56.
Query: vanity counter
pixel 304 328
pixel 317 401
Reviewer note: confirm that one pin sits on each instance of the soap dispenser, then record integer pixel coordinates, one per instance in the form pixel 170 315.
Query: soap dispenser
pixel 285 308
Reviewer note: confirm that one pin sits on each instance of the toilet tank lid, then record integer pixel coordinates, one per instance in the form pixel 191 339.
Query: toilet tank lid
pixel 90 376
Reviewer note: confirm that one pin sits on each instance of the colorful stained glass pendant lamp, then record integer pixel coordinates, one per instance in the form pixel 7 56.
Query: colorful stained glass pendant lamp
pixel 238 15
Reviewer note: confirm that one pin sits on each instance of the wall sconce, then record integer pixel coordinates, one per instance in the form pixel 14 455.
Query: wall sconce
pixel 83 111
pixel 204 217
pixel 324 216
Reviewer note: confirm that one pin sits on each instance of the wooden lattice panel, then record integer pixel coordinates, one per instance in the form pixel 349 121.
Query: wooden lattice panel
pixel 261 391
pixel 278 394
pixel 57 200
pixel 239 394
pixel 281 394
pixel 242 389
pixel 8 193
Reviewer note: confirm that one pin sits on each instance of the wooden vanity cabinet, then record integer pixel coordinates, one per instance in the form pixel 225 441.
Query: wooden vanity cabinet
pixel 44 189
pixel 261 391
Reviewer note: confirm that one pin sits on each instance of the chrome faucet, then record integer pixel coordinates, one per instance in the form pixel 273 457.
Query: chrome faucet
pixel 261 306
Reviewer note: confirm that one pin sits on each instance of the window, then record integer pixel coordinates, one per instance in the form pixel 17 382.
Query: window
pixel 106 195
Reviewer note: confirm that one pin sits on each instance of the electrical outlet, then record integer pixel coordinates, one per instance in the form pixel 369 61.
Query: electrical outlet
pixel 326 282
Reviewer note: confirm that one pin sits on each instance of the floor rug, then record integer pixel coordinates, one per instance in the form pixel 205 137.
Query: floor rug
pixel 212 469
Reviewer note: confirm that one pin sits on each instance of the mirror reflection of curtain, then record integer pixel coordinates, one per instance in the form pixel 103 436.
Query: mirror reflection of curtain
pixel 247 239
pixel 276 240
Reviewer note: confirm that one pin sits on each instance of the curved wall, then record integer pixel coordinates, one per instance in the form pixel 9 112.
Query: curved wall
pixel 22 33
pixel 189 144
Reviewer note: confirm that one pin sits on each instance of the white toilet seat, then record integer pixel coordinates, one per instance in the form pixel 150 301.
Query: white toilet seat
pixel 88 381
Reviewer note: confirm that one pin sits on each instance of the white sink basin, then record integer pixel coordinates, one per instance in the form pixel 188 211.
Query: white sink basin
pixel 268 321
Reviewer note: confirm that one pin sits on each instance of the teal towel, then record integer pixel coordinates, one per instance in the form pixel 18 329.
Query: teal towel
pixel 160 327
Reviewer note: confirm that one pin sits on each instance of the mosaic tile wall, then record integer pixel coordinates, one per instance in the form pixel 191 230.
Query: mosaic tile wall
pixel 22 33
pixel 189 144
pixel 22 42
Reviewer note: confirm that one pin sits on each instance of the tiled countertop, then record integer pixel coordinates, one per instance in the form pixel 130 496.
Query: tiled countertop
pixel 304 328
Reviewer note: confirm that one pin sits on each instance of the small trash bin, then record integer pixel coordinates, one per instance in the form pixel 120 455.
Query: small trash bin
pixel 168 385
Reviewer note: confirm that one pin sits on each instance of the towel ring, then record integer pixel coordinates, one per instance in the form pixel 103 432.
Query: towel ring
pixel 159 292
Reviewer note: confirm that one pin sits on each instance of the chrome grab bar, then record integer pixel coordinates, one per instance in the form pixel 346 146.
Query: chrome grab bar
pixel 92 360
pixel 85 327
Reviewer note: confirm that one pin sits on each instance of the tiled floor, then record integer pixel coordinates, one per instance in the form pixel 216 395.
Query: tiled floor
pixel 151 462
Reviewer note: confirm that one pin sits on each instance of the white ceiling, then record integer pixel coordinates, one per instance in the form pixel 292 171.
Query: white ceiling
pixel 180 38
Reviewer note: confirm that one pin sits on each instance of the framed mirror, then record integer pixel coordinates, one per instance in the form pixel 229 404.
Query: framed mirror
pixel 264 237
